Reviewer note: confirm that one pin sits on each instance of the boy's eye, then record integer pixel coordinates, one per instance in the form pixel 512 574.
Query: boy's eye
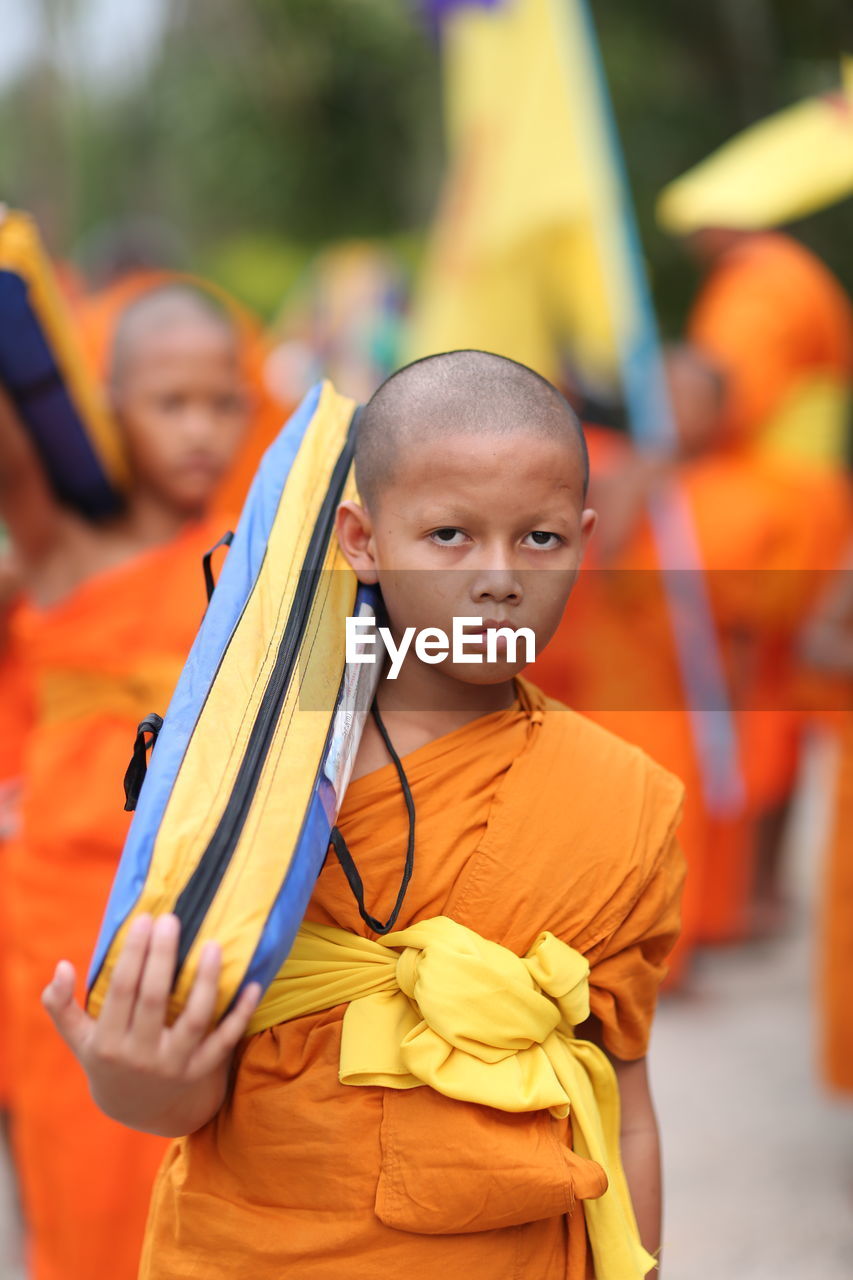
pixel 541 538
pixel 448 537
pixel 226 404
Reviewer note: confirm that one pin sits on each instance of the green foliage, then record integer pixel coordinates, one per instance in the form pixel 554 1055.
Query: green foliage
pixel 309 119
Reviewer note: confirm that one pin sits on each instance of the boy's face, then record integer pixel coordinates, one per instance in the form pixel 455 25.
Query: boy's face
pixel 485 526
pixel 183 407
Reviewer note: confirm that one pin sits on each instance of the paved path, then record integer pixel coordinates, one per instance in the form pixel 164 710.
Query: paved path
pixel 758 1159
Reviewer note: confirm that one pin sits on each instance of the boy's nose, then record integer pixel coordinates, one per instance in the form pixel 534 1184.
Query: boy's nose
pixel 197 425
pixel 501 585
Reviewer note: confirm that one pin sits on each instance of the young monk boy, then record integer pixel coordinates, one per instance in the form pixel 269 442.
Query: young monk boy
pixel 113 610
pixel 443 1121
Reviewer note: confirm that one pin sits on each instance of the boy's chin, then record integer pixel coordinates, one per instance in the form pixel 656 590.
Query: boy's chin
pixel 484 674
pixel 189 499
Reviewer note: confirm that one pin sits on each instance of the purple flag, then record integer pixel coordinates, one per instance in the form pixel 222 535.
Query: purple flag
pixel 436 10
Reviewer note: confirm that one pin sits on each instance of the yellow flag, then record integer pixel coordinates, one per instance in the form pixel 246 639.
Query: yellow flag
pixel 787 166
pixel 513 265
pixel 535 256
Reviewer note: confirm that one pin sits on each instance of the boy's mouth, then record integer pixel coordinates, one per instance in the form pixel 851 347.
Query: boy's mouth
pixel 476 636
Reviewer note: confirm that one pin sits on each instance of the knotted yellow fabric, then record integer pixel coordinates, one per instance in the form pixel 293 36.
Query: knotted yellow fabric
pixel 438 1005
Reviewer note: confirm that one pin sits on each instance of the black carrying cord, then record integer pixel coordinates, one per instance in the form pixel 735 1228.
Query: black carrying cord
pixel 207 563
pixel 345 858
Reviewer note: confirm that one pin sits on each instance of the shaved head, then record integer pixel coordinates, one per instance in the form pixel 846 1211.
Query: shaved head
pixel 161 310
pixel 458 393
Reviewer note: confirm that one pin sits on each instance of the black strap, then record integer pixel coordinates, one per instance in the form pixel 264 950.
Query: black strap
pixel 346 859
pixel 209 580
pixel 146 736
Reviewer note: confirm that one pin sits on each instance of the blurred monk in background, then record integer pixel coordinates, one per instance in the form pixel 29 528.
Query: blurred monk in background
pixel 621 610
pixel 113 609
pixel 98 315
pixel 765 527
pixel 778 328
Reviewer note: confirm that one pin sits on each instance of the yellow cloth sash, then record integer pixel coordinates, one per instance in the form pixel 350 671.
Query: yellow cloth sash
pixel 437 1005
pixel 811 423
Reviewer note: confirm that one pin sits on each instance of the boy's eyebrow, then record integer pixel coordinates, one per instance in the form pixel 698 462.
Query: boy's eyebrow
pixel 449 515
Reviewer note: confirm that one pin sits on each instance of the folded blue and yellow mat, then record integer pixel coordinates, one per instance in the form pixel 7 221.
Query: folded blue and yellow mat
pixel 252 760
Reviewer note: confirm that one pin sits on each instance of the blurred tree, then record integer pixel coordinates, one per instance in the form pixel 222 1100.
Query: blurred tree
pixel 302 118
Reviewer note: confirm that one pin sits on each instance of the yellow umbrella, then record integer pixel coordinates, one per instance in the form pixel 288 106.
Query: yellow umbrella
pixel 792 164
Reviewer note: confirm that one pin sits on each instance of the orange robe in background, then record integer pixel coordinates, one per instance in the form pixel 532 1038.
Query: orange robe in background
pixel 769 536
pixel 837 937
pixel 103 658
pixel 764 564
pixel 97 317
pixel 613 658
pixel 517 832
pixel 777 324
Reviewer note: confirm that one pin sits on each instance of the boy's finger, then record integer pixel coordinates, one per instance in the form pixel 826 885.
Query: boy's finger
pixel 228 1034
pixel 72 1023
pixel 124 984
pixel 194 1023
pixel 149 1012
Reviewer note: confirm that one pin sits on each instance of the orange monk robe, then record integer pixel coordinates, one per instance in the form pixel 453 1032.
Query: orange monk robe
pixel 16 714
pixel 614 659
pixel 769 535
pixel 97 317
pixel 517 831
pixel 763 564
pixel 103 658
pixel 776 323
pixel 837 939
pixel 614 656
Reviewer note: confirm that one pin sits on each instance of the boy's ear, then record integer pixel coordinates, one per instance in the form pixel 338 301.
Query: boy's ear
pixel 589 519
pixel 355 535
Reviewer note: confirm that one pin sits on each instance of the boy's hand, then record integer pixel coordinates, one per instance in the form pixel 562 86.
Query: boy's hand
pixel 142 1072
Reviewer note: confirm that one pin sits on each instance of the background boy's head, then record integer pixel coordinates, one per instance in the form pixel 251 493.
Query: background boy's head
pixel 697 395
pixel 472 471
pixel 178 392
